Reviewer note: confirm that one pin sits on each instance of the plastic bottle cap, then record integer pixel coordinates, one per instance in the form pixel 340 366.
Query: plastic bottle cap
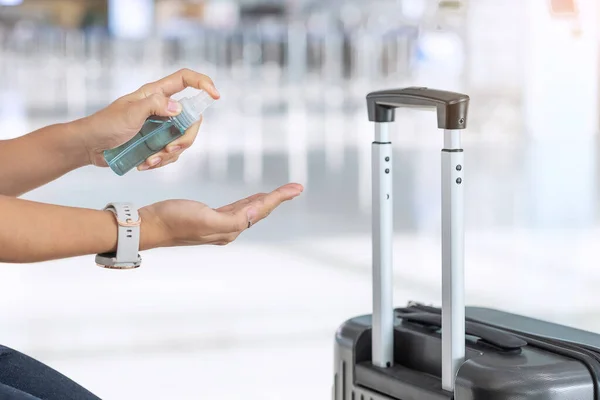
pixel 193 107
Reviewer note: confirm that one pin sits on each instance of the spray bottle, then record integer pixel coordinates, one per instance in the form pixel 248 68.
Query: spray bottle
pixel 156 134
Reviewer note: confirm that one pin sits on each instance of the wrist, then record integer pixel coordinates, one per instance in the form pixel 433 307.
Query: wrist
pixel 77 131
pixel 153 233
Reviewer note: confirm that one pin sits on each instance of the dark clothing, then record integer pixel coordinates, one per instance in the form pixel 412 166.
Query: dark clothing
pixel 23 378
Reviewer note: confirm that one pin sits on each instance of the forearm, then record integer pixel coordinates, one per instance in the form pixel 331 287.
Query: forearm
pixel 42 156
pixel 34 232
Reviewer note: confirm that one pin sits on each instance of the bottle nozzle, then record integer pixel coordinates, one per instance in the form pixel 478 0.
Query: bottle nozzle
pixel 193 107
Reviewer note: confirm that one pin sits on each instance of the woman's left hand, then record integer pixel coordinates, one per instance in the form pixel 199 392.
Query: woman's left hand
pixel 122 119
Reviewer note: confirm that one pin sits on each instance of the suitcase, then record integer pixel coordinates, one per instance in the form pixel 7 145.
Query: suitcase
pixel 452 352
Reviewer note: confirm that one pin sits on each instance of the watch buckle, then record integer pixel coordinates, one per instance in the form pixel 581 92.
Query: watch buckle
pixel 129 222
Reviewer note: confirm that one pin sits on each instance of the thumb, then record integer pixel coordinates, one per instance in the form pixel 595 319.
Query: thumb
pixel 155 104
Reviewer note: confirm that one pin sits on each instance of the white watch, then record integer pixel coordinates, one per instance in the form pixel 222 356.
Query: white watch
pixel 128 242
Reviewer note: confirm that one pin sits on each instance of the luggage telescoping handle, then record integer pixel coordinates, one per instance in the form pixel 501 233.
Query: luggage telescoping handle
pixel 452 118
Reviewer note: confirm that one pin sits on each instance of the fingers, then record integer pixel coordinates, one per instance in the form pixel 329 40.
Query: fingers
pixel 157 104
pixel 225 223
pixel 239 216
pixel 186 140
pixel 178 81
pixel 240 203
pixel 157 161
pixel 263 207
pixel 229 221
pixel 154 99
pixel 173 151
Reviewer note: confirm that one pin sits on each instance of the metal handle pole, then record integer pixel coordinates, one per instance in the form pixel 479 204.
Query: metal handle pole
pixel 383 310
pixel 453 303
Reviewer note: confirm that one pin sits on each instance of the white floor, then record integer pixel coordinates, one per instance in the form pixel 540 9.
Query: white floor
pixel 256 321
pixel 239 322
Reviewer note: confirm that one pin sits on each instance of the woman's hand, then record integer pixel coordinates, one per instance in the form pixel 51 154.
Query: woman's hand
pixel 35 232
pixel 188 223
pixel 122 120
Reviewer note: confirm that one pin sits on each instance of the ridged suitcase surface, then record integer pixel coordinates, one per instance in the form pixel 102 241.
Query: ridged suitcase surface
pixel 539 360
pixel 453 352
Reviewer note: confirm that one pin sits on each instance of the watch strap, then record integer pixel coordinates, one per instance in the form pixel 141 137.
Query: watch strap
pixel 128 242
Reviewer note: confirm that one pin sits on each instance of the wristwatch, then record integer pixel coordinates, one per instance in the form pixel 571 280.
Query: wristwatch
pixel 128 242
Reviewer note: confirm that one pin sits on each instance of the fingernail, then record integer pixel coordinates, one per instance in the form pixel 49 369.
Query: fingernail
pixel 143 167
pixel 173 149
pixel 173 106
pixel 216 91
pixel 153 161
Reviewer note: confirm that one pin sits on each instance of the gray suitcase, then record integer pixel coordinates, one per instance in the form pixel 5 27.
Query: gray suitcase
pixel 453 352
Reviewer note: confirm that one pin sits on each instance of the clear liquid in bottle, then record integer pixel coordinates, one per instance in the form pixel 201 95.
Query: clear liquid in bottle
pixel 156 134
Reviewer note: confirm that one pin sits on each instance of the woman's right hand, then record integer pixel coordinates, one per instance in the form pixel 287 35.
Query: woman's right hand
pixel 188 223
pixel 120 121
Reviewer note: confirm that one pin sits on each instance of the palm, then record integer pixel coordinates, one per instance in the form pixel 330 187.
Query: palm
pixel 189 222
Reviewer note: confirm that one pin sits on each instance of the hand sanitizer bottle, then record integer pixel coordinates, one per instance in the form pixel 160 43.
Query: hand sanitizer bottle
pixel 156 134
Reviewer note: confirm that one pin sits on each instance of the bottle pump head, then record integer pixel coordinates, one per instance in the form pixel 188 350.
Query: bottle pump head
pixel 193 107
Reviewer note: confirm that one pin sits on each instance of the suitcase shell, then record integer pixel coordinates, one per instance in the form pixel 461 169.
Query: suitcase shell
pixel 454 352
pixel 486 374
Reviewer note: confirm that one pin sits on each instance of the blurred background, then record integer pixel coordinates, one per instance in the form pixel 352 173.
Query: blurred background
pixel 256 319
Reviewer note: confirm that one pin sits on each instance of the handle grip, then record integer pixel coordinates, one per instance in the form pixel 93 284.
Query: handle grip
pixel 495 337
pixel 452 108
